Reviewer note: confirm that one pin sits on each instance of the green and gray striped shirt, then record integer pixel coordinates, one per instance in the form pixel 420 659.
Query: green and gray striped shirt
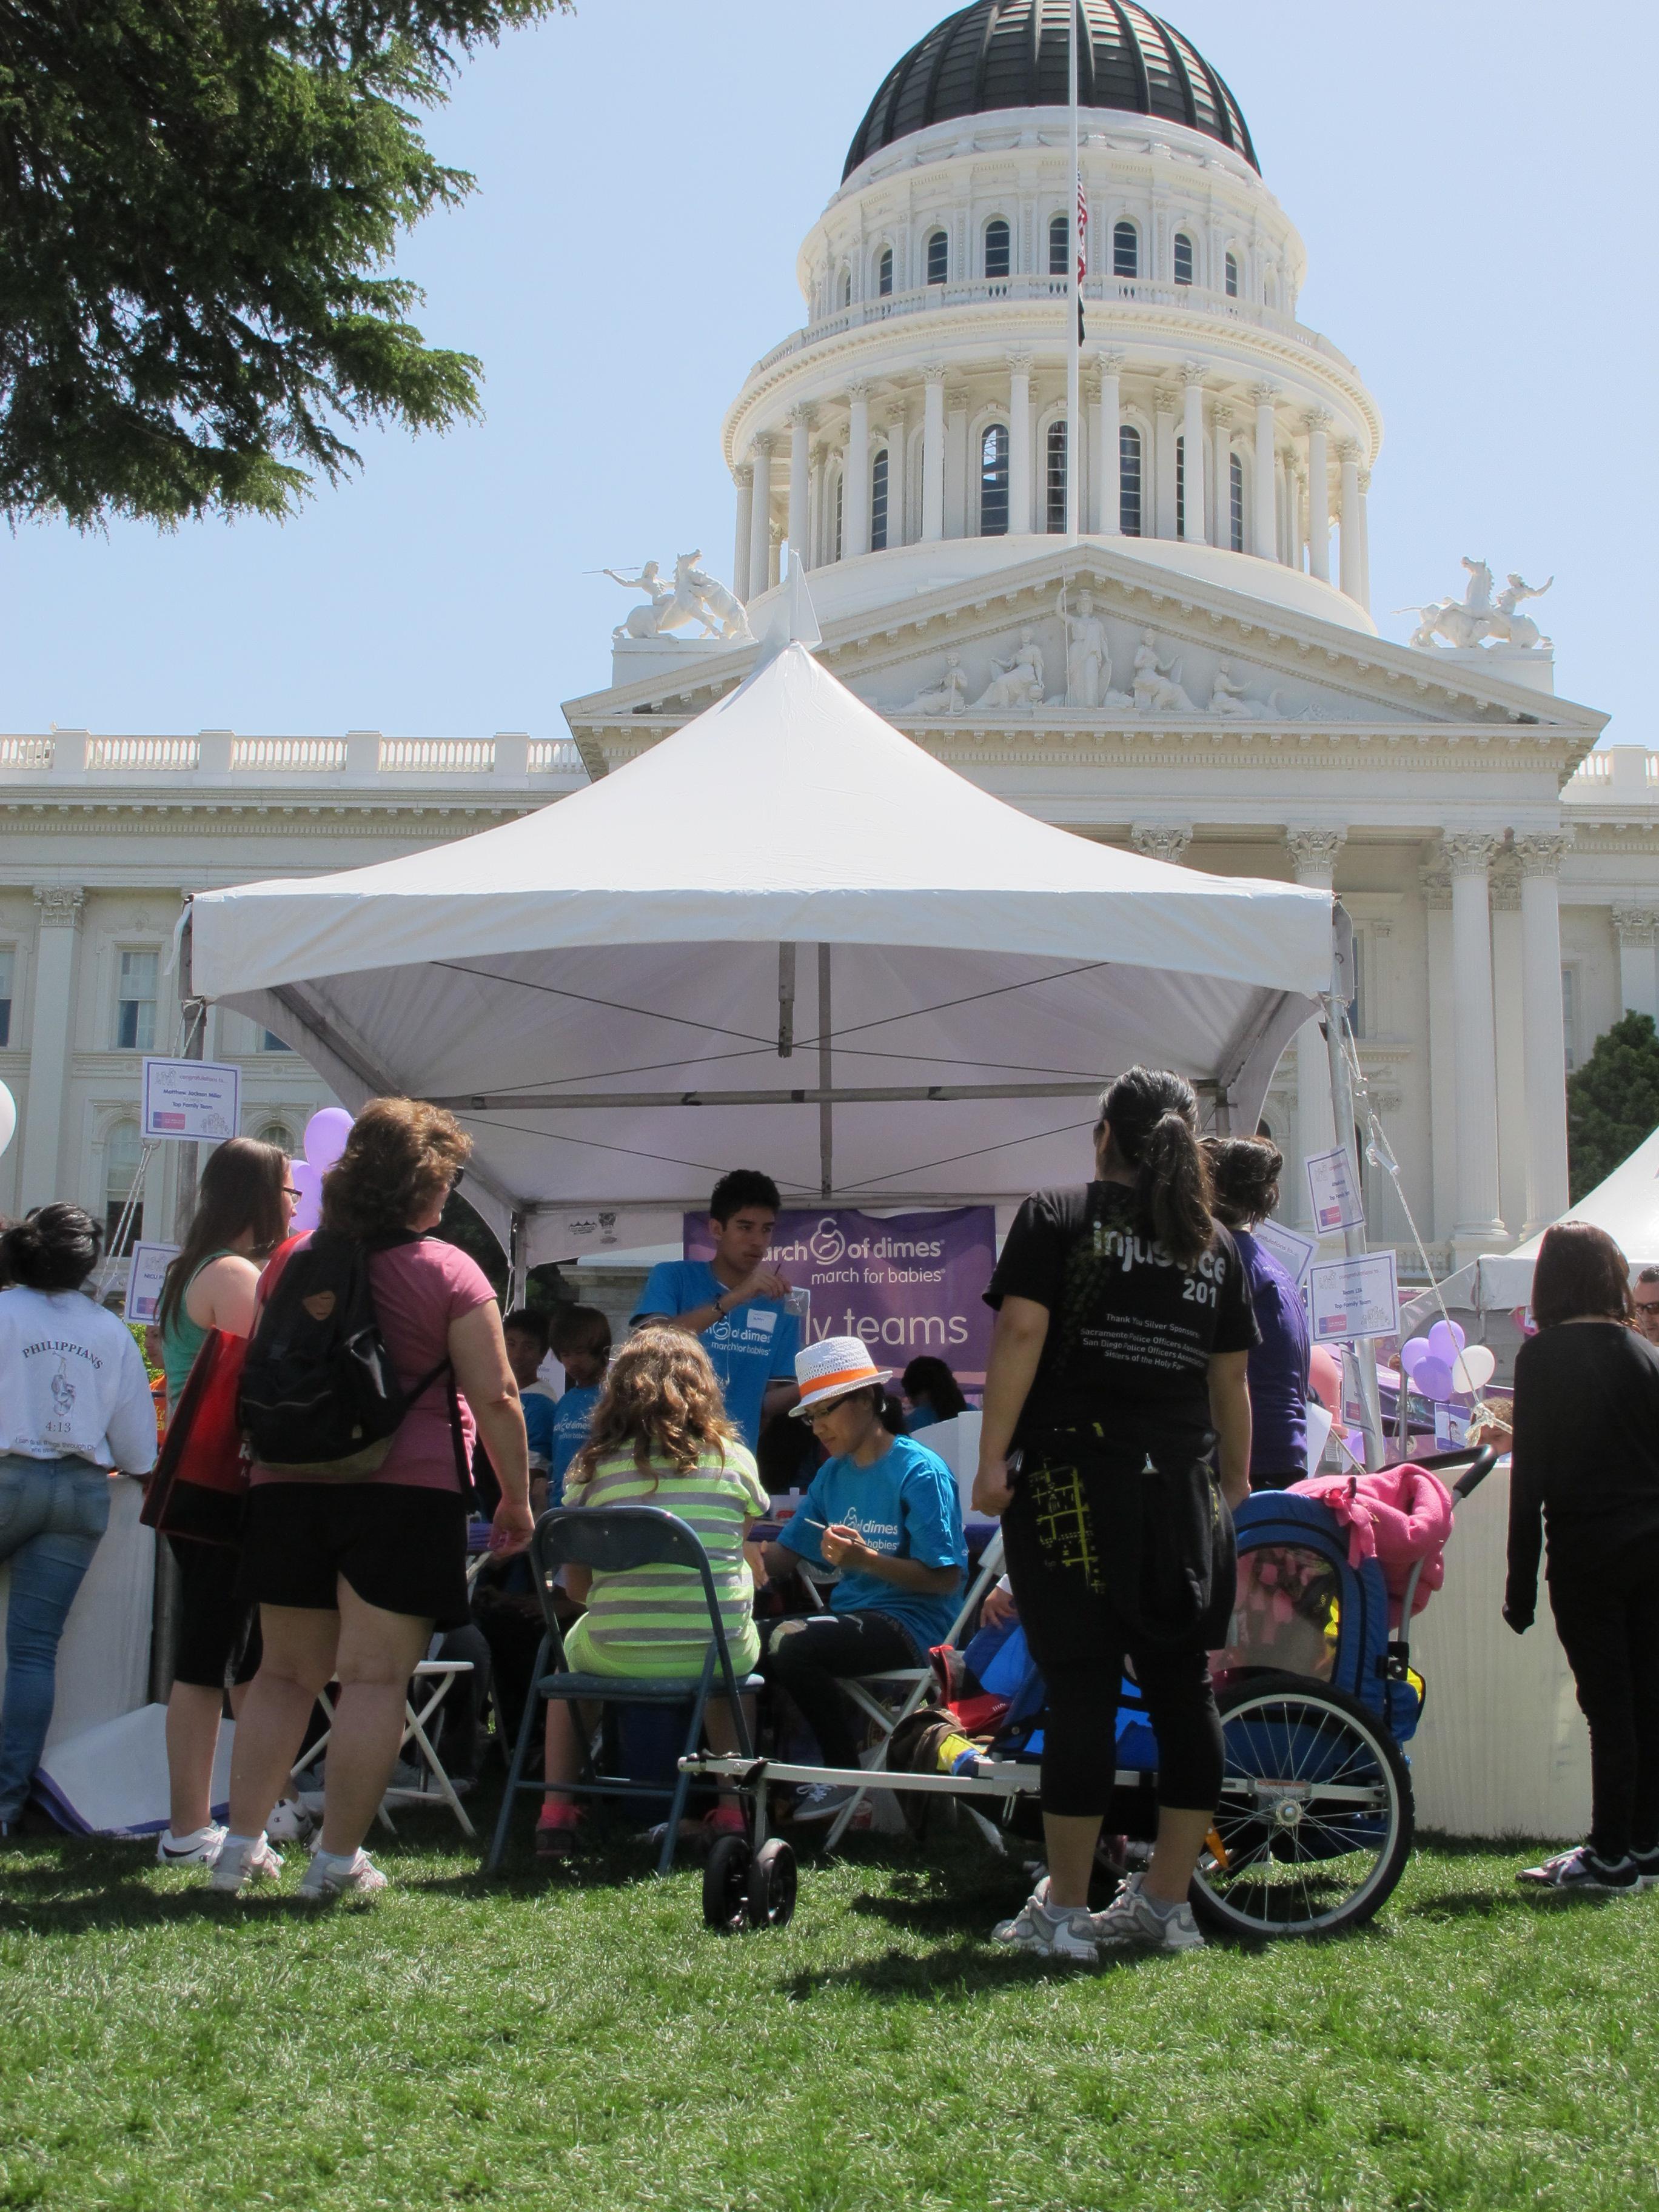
pixel 653 1621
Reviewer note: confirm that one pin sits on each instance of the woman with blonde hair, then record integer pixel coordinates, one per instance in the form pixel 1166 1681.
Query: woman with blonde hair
pixel 659 1436
pixel 352 1576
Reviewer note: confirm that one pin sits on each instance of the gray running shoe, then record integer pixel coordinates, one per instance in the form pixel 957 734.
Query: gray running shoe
pixel 1131 1923
pixel 326 1879
pixel 240 1863
pixel 1049 1931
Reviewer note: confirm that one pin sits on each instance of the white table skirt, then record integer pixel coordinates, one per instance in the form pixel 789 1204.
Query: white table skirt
pixel 103 1662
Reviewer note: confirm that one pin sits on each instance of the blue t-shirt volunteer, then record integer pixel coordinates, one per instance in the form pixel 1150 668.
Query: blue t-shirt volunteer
pixel 904 1506
pixel 571 1417
pixel 754 1344
pixel 539 1409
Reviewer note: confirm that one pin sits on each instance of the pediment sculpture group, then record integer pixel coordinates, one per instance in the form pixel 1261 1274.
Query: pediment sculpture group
pixel 1019 683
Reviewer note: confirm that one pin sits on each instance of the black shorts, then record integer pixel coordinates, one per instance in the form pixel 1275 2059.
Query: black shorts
pixel 218 1627
pixel 400 1548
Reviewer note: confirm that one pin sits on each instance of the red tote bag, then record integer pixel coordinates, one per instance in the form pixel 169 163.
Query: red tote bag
pixel 200 1484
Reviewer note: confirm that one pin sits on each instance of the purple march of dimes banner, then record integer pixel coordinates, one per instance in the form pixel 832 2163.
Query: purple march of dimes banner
pixel 910 1284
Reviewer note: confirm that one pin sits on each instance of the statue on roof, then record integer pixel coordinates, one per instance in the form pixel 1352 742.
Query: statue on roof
pixel 695 598
pixel 1088 657
pixel 1474 620
pixel 1517 629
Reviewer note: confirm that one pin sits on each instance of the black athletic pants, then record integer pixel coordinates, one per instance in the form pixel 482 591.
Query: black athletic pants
pixel 807 1655
pixel 1052 1532
pixel 1608 1624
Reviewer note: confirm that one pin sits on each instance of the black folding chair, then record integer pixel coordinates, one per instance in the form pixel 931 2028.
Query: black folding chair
pixel 612 1538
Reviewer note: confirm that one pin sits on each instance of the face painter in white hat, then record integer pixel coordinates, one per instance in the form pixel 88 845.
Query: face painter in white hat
pixel 882 1510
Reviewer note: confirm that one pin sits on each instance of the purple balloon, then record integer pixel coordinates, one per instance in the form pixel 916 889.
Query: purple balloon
pixel 1433 1378
pixel 1446 1340
pixel 1414 1352
pixel 309 1182
pixel 326 1136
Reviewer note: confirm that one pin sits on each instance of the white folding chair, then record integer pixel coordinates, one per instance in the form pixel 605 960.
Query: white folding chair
pixel 438 1676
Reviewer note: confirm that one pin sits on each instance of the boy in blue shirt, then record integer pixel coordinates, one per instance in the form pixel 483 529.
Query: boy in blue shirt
pixel 525 1333
pixel 885 1511
pixel 582 1344
pixel 734 1303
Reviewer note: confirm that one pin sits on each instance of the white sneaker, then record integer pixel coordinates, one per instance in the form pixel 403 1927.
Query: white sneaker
pixel 243 1859
pixel 289 1823
pixel 1048 1931
pixel 821 1802
pixel 199 1848
pixel 328 1876
pixel 1132 1921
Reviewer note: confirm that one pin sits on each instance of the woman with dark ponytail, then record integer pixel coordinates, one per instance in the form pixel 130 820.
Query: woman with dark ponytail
pixel 75 1408
pixel 1116 1436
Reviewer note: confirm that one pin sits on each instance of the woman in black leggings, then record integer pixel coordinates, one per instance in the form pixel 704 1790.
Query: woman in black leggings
pixel 1117 1369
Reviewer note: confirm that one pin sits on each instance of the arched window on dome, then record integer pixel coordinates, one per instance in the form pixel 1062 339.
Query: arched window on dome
pixel 1183 257
pixel 999 247
pixel 1055 486
pixel 846 288
pixel 884 274
pixel 878 502
pixel 938 258
pixel 835 554
pixel 994 481
pixel 1126 250
pixel 1270 290
pixel 1129 480
pixel 1235 503
pixel 1060 247
pixel 123 1148
pixel 1232 276
pixel 1181 486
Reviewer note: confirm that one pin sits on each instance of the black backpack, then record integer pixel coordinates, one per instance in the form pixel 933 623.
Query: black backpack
pixel 320 1394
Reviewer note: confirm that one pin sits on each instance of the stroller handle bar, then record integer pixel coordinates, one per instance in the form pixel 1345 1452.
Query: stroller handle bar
pixel 1476 1461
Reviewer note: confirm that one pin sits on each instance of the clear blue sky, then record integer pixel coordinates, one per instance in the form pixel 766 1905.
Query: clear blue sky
pixel 1473 185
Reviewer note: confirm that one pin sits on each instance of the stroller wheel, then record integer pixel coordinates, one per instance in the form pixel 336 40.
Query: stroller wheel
pixel 725 1880
pixel 1314 1823
pixel 772 1884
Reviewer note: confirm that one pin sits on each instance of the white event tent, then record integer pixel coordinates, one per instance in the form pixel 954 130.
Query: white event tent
pixel 784 937
pixel 1626 1205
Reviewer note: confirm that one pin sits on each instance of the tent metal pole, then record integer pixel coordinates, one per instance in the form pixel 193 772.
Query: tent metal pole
pixel 517 1254
pixel 826 1077
pixel 786 1001
pixel 1353 1239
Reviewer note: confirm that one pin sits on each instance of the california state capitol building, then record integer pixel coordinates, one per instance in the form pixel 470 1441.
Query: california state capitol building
pixel 1197 674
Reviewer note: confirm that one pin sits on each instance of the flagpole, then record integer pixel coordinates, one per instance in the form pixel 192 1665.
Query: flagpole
pixel 1074 349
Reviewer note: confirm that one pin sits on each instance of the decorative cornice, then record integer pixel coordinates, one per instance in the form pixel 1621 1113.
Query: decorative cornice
pixel 60 905
pixel 1436 879
pixel 1161 840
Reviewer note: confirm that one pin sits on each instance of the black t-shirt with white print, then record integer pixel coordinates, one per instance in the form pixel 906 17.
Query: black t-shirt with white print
pixel 1130 1332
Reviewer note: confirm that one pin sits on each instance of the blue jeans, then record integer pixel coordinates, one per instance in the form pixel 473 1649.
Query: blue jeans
pixel 52 1514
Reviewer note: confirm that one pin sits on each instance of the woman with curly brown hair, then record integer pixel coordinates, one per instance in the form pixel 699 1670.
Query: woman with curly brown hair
pixel 353 1575
pixel 660 1436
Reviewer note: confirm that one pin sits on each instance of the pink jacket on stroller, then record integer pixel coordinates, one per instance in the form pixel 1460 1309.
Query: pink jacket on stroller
pixel 1398 1515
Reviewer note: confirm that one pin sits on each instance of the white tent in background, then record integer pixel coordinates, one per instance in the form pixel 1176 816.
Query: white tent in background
pixel 785 936
pixel 1627 1205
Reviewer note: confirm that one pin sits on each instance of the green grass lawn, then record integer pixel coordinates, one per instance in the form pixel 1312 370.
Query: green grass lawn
pixel 583 2041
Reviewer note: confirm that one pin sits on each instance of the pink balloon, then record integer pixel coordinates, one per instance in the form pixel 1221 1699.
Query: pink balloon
pixel 326 1136
pixel 1414 1352
pixel 309 1182
pixel 1325 1379
pixel 1433 1378
pixel 1446 1340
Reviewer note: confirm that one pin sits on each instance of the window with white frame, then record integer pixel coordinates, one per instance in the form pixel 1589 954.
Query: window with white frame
pixel 999 247
pixel 123 1149
pixel 1060 247
pixel 1056 480
pixel 1181 486
pixel 939 257
pixel 1231 272
pixel 277 1133
pixel 835 554
pixel 135 1000
pixel 1235 502
pixel 878 502
pixel 1126 250
pixel 846 288
pixel 1129 480
pixel 8 968
pixel 994 482
pixel 1183 258
pixel 884 274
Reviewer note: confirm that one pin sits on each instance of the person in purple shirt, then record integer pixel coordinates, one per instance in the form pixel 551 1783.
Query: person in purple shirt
pixel 1245 1172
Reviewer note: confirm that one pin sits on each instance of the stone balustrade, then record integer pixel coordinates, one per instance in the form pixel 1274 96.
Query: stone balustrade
pixel 216 756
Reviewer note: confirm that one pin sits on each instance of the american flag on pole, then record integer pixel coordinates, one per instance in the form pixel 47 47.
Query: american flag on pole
pixel 1082 251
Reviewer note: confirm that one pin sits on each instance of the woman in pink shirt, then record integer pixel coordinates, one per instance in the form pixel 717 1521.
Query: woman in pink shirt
pixel 352 1576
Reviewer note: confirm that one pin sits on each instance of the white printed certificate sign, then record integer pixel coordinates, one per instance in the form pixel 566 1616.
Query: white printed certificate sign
pixel 1293 1251
pixel 192 1100
pixel 1336 1203
pixel 1354 1298
pixel 149 1266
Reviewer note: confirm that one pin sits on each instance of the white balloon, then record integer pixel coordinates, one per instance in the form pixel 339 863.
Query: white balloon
pixel 1476 1365
pixel 7 1118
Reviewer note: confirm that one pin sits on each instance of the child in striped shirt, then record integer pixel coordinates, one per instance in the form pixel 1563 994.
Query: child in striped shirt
pixel 659 1436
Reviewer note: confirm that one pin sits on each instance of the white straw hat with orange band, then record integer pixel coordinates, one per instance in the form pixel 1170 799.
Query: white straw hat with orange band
pixel 829 1368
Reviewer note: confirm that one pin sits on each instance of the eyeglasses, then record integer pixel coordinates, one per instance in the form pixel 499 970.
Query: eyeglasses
pixel 1647 1308
pixel 288 1191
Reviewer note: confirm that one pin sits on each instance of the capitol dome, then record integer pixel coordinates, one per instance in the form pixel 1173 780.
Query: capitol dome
pixel 1014 53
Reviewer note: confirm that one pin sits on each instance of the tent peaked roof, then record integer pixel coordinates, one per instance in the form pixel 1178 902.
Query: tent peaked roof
pixel 1626 1204
pixel 785 937
pixel 790 810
